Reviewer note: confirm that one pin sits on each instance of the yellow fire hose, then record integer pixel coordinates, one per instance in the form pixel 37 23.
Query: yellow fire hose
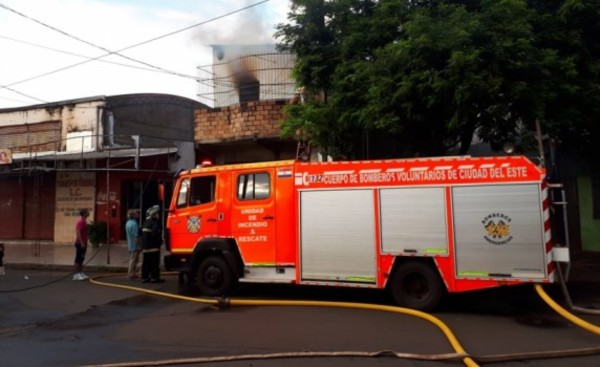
pixel 564 313
pixel 460 353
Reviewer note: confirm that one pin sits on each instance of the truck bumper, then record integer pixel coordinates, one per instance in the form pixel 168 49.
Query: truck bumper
pixel 180 263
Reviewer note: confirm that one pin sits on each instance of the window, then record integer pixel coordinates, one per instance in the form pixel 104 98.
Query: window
pixel 202 190
pixel 199 190
pixel 183 191
pixel 254 186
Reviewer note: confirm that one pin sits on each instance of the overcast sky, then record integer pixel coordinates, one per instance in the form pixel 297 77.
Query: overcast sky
pixel 46 45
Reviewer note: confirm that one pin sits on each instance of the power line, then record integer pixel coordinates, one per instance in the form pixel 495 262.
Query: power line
pixel 74 54
pixel 23 94
pixel 13 100
pixel 117 52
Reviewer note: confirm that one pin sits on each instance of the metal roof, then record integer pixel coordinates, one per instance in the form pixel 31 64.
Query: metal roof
pixel 92 154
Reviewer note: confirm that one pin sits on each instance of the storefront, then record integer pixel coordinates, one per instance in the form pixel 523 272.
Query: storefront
pixel 41 202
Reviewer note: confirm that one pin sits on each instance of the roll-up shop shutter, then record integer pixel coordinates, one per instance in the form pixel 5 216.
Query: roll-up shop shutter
pixel 40 194
pixel 11 208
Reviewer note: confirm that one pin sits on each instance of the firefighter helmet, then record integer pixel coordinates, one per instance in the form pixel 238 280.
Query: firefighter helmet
pixel 152 211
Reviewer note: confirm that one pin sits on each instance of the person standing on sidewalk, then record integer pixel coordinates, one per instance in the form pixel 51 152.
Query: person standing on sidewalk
pixel 81 242
pixel 132 228
pixel 151 241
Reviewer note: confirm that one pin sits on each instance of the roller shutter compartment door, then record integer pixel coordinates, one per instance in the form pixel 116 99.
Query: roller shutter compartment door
pixel 11 209
pixel 338 236
pixel 499 231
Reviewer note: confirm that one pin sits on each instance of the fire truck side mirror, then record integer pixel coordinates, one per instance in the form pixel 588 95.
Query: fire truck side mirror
pixel 161 190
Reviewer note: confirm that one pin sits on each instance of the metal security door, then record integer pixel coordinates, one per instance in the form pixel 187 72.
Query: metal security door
pixel 11 208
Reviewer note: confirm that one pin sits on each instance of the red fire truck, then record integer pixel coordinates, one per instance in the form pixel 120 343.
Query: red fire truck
pixel 416 227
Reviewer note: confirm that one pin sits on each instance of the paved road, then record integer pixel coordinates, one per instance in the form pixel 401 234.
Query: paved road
pixel 50 320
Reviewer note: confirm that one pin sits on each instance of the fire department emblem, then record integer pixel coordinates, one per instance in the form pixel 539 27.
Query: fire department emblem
pixel 497 227
pixel 193 224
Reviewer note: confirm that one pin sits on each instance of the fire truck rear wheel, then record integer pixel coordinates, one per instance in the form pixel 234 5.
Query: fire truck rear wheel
pixel 417 285
pixel 214 277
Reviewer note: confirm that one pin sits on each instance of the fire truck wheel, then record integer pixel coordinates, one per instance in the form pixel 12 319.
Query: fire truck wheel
pixel 416 285
pixel 214 278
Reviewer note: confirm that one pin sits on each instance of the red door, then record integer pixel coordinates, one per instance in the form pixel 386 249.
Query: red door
pixel 253 216
pixel 194 214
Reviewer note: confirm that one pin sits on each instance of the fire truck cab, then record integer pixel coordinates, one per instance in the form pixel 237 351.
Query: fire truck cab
pixel 416 227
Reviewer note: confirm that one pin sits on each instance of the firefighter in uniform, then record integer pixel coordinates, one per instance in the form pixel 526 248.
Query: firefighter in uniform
pixel 151 241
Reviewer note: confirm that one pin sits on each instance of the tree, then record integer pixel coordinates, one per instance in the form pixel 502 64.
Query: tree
pixel 425 76
pixel 327 40
pixel 572 114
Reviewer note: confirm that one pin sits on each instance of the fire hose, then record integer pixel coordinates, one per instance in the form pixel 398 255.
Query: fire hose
pixel 459 351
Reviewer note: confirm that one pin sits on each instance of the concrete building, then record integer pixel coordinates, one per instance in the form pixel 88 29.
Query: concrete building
pixel 104 153
pixel 247 87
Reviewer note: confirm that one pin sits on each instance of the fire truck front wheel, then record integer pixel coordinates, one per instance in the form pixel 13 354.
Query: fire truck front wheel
pixel 214 277
pixel 416 285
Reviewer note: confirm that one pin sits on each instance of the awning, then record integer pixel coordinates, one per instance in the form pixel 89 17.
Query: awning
pixel 89 155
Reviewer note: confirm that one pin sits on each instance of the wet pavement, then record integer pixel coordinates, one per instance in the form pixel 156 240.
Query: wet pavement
pixel 583 273
pixel 75 323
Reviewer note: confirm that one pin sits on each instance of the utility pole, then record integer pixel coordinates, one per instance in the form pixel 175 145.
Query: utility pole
pixel 540 140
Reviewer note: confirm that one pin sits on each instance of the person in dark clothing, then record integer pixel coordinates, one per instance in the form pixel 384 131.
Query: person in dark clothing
pixel 151 242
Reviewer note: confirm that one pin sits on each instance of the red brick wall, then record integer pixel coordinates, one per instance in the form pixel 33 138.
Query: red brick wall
pixel 259 119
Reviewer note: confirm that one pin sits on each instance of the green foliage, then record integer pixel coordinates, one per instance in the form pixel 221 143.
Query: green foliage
pixel 97 233
pixel 402 78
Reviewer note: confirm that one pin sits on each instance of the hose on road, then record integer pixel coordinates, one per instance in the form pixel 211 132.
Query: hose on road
pixel 459 354
pixel 459 350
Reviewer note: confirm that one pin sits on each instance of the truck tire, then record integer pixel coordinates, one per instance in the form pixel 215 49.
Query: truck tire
pixel 416 285
pixel 214 277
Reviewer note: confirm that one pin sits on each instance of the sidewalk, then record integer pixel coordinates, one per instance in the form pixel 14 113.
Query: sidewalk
pixel 585 266
pixel 113 257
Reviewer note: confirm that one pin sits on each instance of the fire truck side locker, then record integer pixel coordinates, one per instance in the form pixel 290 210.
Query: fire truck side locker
pixel 337 236
pixel 512 213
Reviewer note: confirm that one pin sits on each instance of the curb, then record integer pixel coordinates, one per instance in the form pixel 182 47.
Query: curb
pixel 66 268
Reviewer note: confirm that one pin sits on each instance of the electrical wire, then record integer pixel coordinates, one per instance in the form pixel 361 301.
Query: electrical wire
pixel 81 56
pixel 228 85
pixel 22 94
pixel 14 100
pixel 117 52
